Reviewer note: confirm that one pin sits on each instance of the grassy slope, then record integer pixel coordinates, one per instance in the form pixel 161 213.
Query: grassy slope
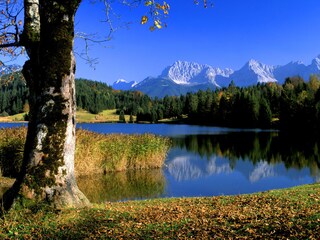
pixel 13 118
pixel 281 214
pixel 104 116
pixel 82 116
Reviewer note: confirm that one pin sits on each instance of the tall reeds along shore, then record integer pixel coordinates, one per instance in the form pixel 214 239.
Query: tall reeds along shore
pixel 95 153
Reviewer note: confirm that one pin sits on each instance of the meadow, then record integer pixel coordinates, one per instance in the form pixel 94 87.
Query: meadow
pixel 82 116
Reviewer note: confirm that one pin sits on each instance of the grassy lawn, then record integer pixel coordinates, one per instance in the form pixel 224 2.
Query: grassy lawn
pixel 281 214
pixel 105 116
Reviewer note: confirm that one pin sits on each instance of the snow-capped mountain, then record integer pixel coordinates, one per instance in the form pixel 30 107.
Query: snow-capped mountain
pixel 182 77
pixel 253 72
pixel 122 84
pixel 6 69
pixel 189 73
pixel 290 69
pixel 315 65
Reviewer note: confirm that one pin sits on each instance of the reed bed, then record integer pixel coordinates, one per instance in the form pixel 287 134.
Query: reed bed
pixel 95 153
pixel 11 150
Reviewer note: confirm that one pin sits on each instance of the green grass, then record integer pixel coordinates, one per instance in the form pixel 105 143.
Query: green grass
pixel 14 118
pixel 104 116
pixel 280 214
pixel 82 116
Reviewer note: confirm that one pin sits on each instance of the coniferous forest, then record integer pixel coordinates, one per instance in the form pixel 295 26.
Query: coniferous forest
pixel 293 105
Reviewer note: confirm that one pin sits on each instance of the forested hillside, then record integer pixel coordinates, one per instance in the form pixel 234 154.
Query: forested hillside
pixel 13 94
pixel 293 105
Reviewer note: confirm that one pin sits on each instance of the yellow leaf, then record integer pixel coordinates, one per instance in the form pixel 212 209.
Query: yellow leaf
pixel 148 3
pixel 157 24
pixel 151 28
pixel 144 19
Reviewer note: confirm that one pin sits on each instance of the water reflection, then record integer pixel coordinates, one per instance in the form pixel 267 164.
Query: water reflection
pixel 262 149
pixel 123 185
pixel 209 161
pixel 239 162
pixel 223 164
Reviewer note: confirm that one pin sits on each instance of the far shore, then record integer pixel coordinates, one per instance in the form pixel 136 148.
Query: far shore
pixel 82 116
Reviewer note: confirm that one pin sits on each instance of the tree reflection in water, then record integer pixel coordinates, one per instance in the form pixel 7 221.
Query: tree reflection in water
pixel 271 147
pixel 118 186
pixel 206 165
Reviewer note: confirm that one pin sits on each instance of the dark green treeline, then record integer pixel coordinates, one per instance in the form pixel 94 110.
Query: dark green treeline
pixel 293 105
pixel 13 95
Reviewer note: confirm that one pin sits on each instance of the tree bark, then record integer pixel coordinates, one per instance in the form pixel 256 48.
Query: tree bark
pixel 48 165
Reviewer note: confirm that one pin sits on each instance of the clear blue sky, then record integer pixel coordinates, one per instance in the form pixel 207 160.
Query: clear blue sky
pixel 227 35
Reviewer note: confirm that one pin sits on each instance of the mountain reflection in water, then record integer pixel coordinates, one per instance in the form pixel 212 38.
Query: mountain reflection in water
pixel 257 155
pixel 221 164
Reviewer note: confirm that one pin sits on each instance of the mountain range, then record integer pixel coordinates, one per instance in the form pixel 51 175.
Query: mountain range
pixel 122 84
pixel 182 77
pixel 6 69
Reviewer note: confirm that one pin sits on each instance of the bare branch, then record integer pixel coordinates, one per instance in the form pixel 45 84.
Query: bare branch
pixel 11 28
pixel 88 39
pixel 9 45
pixel 156 10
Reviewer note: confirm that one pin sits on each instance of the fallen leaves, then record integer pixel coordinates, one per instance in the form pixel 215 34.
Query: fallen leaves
pixel 285 214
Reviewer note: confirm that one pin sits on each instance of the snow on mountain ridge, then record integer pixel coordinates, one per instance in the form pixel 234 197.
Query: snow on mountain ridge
pixel 253 72
pixel 120 80
pixel 6 69
pixel 315 64
pixel 183 76
pixel 122 84
pixel 191 73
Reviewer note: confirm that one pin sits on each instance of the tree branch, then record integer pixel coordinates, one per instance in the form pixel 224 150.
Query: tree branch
pixel 7 45
pixel 10 27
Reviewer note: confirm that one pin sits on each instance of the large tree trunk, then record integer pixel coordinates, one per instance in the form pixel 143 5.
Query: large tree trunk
pixel 48 167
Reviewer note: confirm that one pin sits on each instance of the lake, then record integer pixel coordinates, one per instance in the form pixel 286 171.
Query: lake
pixel 208 161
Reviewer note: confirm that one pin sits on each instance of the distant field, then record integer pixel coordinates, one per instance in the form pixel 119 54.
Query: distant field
pixel 82 116
pixel 104 116
pixel 13 118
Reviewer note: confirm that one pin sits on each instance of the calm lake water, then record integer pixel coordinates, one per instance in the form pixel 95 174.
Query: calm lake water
pixel 208 161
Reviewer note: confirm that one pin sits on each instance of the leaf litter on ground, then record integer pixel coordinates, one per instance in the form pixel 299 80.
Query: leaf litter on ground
pixel 280 214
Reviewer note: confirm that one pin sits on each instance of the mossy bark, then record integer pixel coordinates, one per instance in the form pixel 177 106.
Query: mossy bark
pixel 48 167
